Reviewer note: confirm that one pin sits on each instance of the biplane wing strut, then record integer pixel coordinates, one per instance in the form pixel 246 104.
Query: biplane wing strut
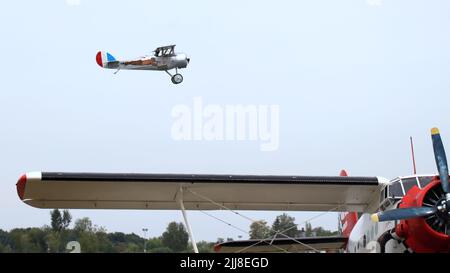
pixel 186 222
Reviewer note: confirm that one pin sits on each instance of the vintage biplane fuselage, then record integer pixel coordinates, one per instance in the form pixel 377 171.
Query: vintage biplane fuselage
pixel 164 59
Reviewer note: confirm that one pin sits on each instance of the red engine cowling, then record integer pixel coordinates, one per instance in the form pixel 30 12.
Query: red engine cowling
pixel 419 235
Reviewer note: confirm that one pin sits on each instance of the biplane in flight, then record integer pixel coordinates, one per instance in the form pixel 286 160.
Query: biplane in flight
pixel 406 214
pixel 163 59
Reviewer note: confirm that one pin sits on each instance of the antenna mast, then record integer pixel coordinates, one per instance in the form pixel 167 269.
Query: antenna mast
pixel 413 156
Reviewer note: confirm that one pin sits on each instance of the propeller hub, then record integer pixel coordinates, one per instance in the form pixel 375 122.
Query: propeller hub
pixel 442 209
pixel 447 201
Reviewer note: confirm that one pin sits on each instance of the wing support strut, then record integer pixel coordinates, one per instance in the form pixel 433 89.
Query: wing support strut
pixel 183 210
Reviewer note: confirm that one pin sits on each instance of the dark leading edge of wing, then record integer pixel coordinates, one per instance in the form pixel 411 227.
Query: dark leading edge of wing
pixel 206 178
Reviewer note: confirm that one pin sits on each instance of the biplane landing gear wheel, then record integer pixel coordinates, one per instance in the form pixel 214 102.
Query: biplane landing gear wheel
pixel 177 79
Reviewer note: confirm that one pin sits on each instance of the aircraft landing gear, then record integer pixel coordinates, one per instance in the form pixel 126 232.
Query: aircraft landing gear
pixel 177 78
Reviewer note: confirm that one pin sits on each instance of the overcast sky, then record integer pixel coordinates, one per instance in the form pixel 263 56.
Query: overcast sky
pixel 353 80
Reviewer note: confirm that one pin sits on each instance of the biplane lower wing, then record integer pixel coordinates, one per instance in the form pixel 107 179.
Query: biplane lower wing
pixel 305 244
pixel 198 192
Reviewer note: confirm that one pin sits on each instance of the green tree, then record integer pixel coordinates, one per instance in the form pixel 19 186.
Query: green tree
pixel 56 220
pixel 88 242
pixel 104 244
pixel 36 237
pixel 84 230
pixel 259 230
pixel 117 237
pixel 162 249
pixel 284 224
pixel 205 247
pixel 154 243
pixel 134 238
pixel 83 225
pixel 133 248
pixel 53 242
pixel 308 230
pixel 5 241
pixel 66 219
pixel 60 221
pixel 321 232
pixel 175 237
pixel 26 240
pixel 318 231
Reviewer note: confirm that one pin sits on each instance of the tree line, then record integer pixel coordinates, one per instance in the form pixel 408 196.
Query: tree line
pixel 54 238
pixel 284 226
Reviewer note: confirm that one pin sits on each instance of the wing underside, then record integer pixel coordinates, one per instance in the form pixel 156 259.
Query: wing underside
pixel 198 192
pixel 306 244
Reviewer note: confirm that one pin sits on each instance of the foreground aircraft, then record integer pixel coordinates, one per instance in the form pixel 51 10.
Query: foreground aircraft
pixel 164 59
pixel 406 214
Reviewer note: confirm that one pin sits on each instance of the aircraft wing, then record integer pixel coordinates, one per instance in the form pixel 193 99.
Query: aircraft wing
pixel 164 47
pixel 199 192
pixel 306 244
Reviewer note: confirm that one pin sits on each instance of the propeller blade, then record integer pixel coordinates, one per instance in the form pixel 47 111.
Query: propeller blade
pixel 400 214
pixel 441 159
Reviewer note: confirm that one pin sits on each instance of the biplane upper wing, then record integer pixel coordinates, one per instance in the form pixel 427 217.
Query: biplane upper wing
pixel 304 244
pixel 165 50
pixel 165 47
pixel 198 192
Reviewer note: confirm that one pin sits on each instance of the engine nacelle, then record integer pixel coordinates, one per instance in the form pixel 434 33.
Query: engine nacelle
pixel 419 233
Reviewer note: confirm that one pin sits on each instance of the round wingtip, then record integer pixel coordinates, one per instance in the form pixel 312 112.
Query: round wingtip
pixel 21 183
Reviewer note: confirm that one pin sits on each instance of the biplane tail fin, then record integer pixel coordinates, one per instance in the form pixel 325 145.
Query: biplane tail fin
pixel 105 59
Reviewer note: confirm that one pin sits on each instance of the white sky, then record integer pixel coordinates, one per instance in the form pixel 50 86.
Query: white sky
pixel 353 79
